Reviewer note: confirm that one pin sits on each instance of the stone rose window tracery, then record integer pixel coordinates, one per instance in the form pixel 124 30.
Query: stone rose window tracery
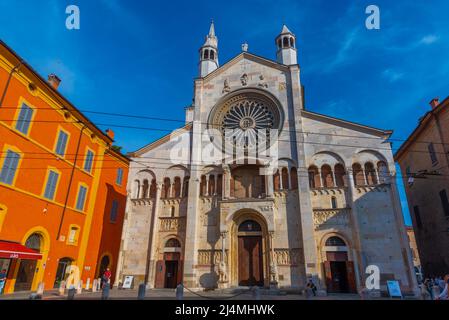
pixel 245 121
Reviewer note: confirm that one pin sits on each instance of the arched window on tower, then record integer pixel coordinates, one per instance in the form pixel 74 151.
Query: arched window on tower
pixel 314 177
pixel 279 43
pixel 339 175
pixel 285 182
pixel 206 54
pixel 294 179
pixel 285 42
pixel 357 172
pixel 326 174
pixel 292 42
pixel 370 173
pixel 212 55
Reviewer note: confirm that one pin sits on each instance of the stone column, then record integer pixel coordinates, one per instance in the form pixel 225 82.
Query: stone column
pixel 273 266
pixel 207 185
pixel 321 178
pixel 268 182
pixel 333 177
pixel 181 188
pixel 223 267
pixel 215 184
pixel 226 182
pixel 152 241
pixel 305 204
pixel 355 229
pixel 193 209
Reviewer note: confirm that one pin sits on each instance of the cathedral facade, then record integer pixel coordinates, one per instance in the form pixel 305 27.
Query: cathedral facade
pixel 256 190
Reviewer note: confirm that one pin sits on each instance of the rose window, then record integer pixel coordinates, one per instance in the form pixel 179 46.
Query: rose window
pixel 246 121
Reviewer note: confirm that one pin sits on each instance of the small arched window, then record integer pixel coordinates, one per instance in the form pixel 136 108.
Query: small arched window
pixel 249 226
pixel 172 211
pixel 203 186
pixel 370 173
pixel 292 42
pixel 334 202
pixel 145 189
pixel 279 43
pixel 382 170
pixel 335 242
pixel 177 191
pixel 276 181
pixel 339 175
pixel 185 188
pixel 206 54
pixel 326 175
pixel 166 189
pixel 357 172
pixel 294 179
pixel 314 177
pixel 285 42
pixel 285 182
pixel 172 243
pixel 212 55
pixel 153 189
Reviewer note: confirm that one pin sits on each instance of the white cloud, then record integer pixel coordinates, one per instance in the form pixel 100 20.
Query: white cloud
pixel 392 75
pixel 429 39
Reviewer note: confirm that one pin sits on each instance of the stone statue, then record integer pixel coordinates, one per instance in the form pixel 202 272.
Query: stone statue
pixel 244 79
pixel 226 87
pixel 262 82
pixel 222 273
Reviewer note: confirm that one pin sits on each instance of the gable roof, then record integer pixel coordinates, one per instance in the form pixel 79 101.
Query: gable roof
pixel 160 141
pixel 346 124
pixel 422 125
pixel 248 56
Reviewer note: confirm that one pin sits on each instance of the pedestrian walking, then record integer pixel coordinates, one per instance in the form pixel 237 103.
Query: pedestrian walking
pixel 444 294
pixel 311 286
pixel 106 277
pixel 428 287
pixel 2 280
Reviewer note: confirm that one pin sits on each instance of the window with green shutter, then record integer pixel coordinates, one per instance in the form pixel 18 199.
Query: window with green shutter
pixel 24 120
pixel 50 187
pixel 9 167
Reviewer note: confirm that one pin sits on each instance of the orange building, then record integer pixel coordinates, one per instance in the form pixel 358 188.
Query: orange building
pixel 62 184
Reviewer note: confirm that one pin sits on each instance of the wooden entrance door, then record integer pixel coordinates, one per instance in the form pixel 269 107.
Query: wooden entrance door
pixel 250 263
pixel 171 274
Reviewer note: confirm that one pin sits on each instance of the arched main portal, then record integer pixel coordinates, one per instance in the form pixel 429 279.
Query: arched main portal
pixel 169 270
pixel 338 269
pixel 249 249
pixel 250 260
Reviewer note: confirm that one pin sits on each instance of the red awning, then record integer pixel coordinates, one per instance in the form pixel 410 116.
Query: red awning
pixel 13 250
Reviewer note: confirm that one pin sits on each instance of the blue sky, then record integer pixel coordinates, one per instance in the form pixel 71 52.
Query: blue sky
pixel 140 57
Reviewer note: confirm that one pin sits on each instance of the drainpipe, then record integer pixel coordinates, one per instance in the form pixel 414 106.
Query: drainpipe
pixel 70 183
pixel 8 81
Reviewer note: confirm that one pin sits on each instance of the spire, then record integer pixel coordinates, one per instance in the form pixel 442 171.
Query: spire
pixel 286 47
pixel 285 29
pixel 211 39
pixel 209 52
pixel 212 29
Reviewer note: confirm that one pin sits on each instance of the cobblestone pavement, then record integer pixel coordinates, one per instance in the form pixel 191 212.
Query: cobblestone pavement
pixel 169 294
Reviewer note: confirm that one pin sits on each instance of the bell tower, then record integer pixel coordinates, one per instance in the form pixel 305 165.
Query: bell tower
pixel 209 53
pixel 286 47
